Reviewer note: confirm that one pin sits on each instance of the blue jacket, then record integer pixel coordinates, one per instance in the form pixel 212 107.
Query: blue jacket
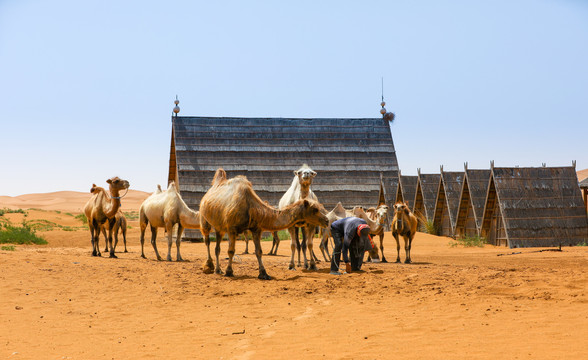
pixel 347 229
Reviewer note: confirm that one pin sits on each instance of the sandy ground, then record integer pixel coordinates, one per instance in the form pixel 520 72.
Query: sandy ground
pixel 58 302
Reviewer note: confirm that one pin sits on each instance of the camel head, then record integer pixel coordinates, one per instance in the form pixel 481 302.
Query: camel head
pixel 311 213
pixel 94 188
pixel 305 175
pixel 382 214
pixel 401 208
pixel 117 184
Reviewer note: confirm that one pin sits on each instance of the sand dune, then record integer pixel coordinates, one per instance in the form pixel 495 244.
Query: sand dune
pixel 71 201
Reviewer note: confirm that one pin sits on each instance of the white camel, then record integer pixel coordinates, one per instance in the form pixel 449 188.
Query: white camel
pixel 300 189
pixel 166 209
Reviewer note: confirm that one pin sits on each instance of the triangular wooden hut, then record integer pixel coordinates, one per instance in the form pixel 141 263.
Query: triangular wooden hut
pixel 447 203
pixel 534 207
pixel 354 158
pixel 426 195
pixel 406 189
pixel 471 202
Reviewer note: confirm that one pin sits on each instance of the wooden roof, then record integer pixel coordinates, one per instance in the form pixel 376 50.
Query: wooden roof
pixel 449 192
pixel 539 206
pixel 584 184
pixel 477 181
pixel 426 194
pixel 407 188
pixel 353 158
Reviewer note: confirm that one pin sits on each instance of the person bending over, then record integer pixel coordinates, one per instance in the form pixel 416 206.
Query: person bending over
pixel 351 236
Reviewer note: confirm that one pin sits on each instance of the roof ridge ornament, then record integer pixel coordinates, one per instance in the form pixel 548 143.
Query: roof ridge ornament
pixel 176 109
pixel 386 115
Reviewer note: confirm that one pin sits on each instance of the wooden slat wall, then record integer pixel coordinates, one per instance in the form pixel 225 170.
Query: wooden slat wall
pixel 428 184
pixel 352 157
pixel 540 206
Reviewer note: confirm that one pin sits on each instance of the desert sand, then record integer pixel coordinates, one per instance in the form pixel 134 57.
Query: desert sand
pixel 58 302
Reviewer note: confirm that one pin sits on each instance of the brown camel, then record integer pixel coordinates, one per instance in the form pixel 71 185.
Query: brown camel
pixel 102 208
pixel 300 189
pixel 404 224
pixel 166 209
pixel 119 224
pixel 232 206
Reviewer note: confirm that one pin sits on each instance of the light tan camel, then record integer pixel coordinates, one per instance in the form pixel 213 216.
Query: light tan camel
pixel 102 208
pixel 404 224
pixel 246 238
pixel 166 209
pixel 378 215
pixel 326 232
pixel 300 189
pixel 232 206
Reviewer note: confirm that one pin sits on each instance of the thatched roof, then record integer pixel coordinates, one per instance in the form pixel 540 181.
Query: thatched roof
pixel 584 184
pixel 426 194
pixel 539 206
pixel 448 195
pixel 353 158
pixel 406 189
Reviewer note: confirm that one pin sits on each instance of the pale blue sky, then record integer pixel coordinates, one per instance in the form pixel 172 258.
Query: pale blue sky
pixel 87 87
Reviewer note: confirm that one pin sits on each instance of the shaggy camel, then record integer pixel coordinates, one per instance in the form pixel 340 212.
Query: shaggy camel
pixel 232 206
pixel 102 208
pixel 166 209
pixel 300 189
pixel 404 224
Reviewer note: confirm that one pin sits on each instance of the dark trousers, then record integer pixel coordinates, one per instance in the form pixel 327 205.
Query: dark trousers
pixel 336 256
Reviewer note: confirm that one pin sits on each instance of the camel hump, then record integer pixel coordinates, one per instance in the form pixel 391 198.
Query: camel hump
pixel 219 177
pixel 172 186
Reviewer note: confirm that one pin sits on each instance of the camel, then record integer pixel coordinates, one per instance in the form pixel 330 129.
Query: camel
pixel 166 209
pixel 119 224
pixel 326 232
pixel 379 216
pixel 246 238
pixel 232 206
pixel 300 189
pixel 102 208
pixel 404 224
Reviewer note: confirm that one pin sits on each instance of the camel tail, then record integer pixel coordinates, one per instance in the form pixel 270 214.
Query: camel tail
pixel 220 176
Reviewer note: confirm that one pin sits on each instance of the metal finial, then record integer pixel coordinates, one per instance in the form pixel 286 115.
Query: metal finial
pixel 176 108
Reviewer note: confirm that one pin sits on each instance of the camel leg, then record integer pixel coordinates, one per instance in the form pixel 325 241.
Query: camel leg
pixel 110 230
pixel 257 241
pixel 246 243
pixel 105 237
pixel 395 234
pixel 310 244
pixel 154 242
pixel 178 240
pixel 303 247
pixel 116 226
pixel 169 228
pixel 407 245
pixel 205 229
pixel 276 243
pixel 293 244
pixel 124 234
pixel 143 226
pixel 219 238
pixel 231 252
pixel 94 231
pixel 382 248
pixel 324 246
